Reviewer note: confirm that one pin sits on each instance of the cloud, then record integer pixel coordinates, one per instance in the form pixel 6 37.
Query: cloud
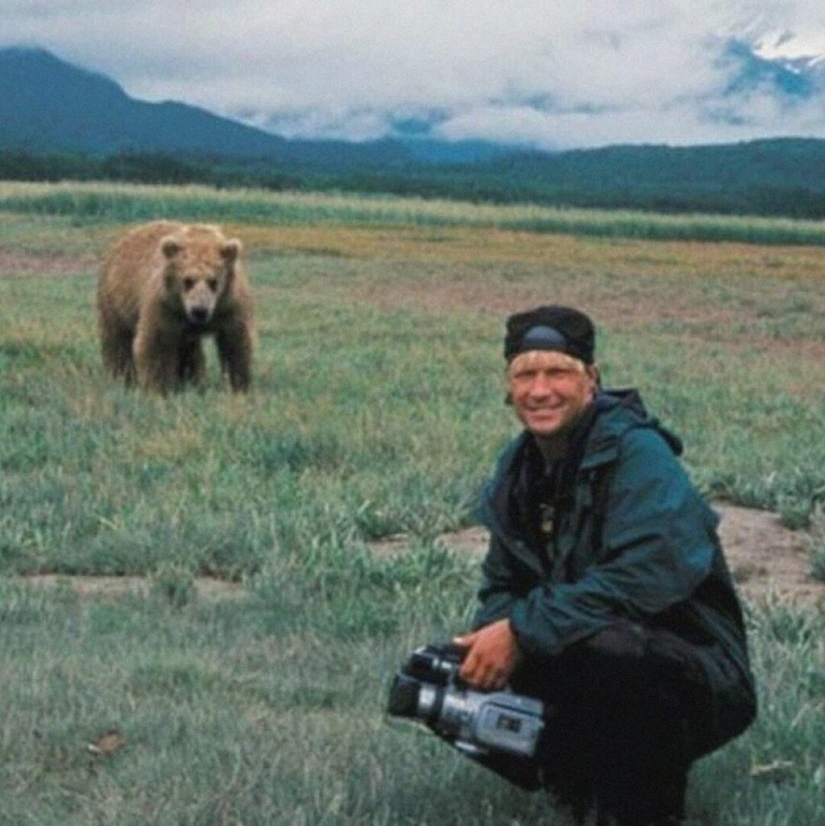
pixel 541 72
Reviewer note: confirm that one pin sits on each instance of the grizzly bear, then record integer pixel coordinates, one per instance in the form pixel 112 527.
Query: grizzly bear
pixel 163 287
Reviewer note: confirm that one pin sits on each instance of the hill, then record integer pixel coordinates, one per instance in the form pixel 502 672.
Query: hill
pixel 48 105
pixel 783 176
pixel 61 121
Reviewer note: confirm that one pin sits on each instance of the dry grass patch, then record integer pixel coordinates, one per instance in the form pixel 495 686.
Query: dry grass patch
pixel 719 287
pixel 478 245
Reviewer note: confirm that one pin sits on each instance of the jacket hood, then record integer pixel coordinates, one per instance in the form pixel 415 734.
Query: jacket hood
pixel 631 412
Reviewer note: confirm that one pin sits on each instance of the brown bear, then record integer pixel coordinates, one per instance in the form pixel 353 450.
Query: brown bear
pixel 164 286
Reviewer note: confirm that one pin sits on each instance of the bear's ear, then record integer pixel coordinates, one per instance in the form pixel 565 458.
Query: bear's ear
pixel 231 250
pixel 170 248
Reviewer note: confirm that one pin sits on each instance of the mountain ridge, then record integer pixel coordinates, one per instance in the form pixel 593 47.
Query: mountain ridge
pixel 48 104
pixel 50 109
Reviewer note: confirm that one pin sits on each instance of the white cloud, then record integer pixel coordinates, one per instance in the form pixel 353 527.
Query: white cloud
pixel 547 72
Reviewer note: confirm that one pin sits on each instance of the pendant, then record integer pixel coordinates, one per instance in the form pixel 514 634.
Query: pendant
pixel 546 522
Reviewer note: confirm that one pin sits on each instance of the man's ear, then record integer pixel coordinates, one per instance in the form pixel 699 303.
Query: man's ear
pixel 508 398
pixel 595 376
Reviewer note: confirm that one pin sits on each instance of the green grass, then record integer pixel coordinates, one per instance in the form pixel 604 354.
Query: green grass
pixel 270 709
pixel 366 419
pixel 99 202
pixel 377 409
pixel 817 542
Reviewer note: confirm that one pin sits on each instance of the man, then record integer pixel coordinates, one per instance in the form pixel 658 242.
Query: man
pixel 605 590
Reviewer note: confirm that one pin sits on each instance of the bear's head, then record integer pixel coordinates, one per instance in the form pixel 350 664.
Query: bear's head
pixel 199 266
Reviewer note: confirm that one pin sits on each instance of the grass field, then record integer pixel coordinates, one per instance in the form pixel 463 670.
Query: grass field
pixel 377 409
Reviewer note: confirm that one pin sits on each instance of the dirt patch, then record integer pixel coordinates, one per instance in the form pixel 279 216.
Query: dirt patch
pixel 767 561
pixel 113 587
pixel 55 265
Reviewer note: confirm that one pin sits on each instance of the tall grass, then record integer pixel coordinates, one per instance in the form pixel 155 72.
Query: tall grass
pixel 376 410
pixel 121 203
pixel 340 434
pixel 271 709
pixel 371 414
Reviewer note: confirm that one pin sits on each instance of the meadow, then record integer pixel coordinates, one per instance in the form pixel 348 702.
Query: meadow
pixel 376 411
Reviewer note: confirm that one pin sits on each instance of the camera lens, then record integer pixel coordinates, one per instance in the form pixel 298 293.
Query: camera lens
pixel 403 700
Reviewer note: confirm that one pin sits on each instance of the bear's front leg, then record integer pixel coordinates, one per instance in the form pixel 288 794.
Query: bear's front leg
pixel 116 344
pixel 234 345
pixel 157 361
pixel 191 361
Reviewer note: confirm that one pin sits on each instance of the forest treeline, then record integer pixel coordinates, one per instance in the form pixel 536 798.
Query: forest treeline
pixel 782 177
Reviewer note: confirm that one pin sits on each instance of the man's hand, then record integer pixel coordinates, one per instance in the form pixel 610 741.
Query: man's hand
pixel 492 656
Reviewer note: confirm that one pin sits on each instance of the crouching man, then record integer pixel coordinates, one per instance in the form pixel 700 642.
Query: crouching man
pixel 605 590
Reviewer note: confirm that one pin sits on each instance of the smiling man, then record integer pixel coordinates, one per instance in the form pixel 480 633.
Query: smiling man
pixel 605 591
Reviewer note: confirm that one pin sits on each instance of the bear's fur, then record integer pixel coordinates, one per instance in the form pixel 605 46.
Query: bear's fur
pixel 165 285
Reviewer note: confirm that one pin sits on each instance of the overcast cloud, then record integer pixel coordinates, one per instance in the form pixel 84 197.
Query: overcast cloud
pixel 548 73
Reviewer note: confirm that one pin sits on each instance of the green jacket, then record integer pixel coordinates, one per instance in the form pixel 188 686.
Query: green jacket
pixel 631 539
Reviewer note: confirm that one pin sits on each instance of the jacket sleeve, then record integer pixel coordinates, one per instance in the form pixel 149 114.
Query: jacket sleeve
pixel 659 543
pixel 499 589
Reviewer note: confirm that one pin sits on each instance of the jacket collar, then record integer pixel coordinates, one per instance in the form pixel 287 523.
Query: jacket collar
pixel 594 443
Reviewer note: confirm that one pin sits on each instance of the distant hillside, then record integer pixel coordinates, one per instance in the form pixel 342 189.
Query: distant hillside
pixel 48 105
pixel 61 121
pixel 779 176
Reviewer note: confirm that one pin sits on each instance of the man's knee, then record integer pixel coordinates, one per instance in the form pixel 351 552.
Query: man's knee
pixel 621 640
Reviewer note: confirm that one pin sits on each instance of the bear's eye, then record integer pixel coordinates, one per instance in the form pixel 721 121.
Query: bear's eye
pixel 213 284
pixel 188 283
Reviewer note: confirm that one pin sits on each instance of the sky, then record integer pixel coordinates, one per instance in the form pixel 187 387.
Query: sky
pixel 550 74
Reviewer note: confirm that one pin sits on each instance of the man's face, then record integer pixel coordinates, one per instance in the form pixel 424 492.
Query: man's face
pixel 550 391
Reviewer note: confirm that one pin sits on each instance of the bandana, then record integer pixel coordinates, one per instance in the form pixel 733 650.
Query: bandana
pixel 550 327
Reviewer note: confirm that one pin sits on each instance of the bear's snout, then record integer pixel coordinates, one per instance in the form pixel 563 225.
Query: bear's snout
pixel 198 315
pixel 199 301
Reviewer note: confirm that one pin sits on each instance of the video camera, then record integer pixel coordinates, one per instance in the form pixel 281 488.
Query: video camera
pixel 498 729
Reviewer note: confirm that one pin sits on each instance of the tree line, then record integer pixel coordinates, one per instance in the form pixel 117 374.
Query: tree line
pixel 775 183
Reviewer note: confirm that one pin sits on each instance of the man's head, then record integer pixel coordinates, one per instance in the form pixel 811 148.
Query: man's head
pixel 550 371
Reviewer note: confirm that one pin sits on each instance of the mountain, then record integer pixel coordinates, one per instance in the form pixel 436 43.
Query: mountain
pixel 798 53
pixel 48 105
pixel 58 121
pixel 789 79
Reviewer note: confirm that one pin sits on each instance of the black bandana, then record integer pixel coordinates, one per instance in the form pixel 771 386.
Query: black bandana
pixel 551 327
